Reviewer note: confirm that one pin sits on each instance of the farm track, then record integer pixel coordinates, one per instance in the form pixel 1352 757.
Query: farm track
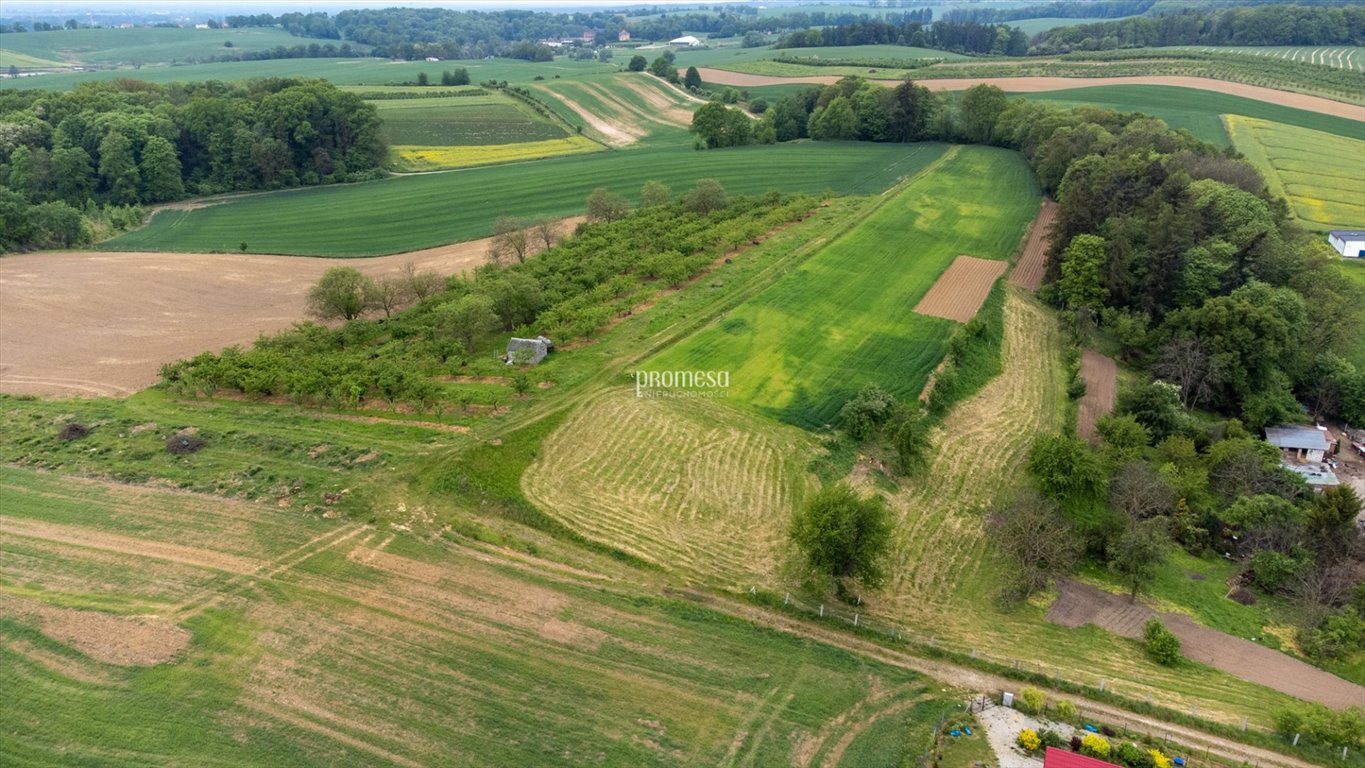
pixel 1079 604
pixel 1043 84
pixel 140 310
pixel 1100 374
pixel 1032 264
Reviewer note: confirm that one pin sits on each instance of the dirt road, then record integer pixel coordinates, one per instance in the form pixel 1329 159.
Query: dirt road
pixel 90 323
pixel 1042 84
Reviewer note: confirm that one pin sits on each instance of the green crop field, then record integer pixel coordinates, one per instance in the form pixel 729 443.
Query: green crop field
pixel 737 58
pixel 1032 27
pixel 463 121
pixel 339 71
pixel 1198 111
pixel 261 638
pixel 114 47
pixel 621 109
pixel 1321 175
pixel 805 345
pixel 403 214
pixel 10 58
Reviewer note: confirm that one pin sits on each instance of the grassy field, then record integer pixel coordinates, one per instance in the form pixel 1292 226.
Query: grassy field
pixel 298 639
pixel 396 215
pixel 621 109
pixel 1313 170
pixel 464 121
pixel 796 352
pixel 25 61
pixel 732 57
pixel 1198 111
pixel 1337 57
pixel 122 47
pixel 410 158
pixel 339 71
pixel 1355 270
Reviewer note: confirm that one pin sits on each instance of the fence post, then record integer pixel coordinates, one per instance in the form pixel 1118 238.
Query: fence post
pixel 855 619
pixel 932 640
pixel 973 653
pixel 787 598
pixel 1343 754
pixel 1101 685
pixel 1194 710
pixel 1296 740
pixel 822 610
pixel 1244 725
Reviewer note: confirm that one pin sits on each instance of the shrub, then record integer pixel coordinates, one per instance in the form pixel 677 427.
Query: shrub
pixel 1132 756
pixel 1159 760
pixel 1032 699
pixel 1095 745
pixel 1050 738
pixel 1066 710
pixel 1029 740
pixel 1162 644
pixel 1075 743
pixel 73 431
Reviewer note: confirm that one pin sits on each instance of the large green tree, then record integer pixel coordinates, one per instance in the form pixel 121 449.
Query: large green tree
pixel 844 535
pixel 160 171
pixel 118 169
pixel 1138 552
pixel 981 107
pixel 1082 265
pixel 338 295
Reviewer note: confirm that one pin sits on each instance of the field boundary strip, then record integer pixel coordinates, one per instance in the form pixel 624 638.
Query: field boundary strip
pixel 1032 264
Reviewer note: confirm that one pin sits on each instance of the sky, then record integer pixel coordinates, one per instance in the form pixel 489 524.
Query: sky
pixel 18 8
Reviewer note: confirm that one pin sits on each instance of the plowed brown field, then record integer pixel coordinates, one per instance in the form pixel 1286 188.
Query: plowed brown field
pixel 960 291
pixel 1028 271
pixel 1101 381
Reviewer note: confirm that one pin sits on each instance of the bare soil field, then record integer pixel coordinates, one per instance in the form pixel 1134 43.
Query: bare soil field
pixel 960 291
pixel 1032 263
pixel 129 641
pixel 1042 84
pixel 1078 604
pixel 1101 383
pixel 90 323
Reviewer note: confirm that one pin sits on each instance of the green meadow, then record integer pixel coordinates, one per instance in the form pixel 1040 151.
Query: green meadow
pixel 152 45
pixel 463 121
pixel 1321 175
pixel 795 350
pixel 407 213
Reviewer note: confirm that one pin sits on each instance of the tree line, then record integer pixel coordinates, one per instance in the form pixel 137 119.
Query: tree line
pixel 956 36
pixel 64 156
pixel 1259 25
pixel 1097 9
pixel 570 289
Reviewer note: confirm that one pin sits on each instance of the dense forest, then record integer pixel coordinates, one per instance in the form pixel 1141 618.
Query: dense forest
pixel 73 161
pixel 1262 25
pixel 958 37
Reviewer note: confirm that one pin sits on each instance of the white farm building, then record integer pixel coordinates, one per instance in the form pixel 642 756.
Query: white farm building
pixel 686 41
pixel 1348 242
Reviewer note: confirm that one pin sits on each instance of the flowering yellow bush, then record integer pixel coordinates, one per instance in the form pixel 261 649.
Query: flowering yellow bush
pixel 1095 745
pixel 1028 739
pixel 1159 760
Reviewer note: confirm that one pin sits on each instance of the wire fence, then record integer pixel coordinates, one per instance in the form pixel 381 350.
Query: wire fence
pixel 1071 681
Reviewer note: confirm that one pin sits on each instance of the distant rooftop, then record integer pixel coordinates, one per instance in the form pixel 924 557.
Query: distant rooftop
pixel 1348 234
pixel 1296 438
pixel 1319 475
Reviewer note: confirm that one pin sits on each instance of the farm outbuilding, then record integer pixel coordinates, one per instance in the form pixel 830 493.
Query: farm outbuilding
pixel 686 40
pixel 1298 443
pixel 1350 243
pixel 527 351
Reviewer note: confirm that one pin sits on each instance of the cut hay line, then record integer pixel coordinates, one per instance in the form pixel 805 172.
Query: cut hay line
pixel 1029 270
pixel 962 288
pixel 616 134
pixel 175 553
pixel 1100 374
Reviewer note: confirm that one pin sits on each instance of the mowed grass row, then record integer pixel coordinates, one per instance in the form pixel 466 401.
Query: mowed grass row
pixel 463 121
pixel 1197 111
pixel 364 71
pixel 845 318
pixel 1322 176
pixel 372 647
pixel 403 214
pixel 151 45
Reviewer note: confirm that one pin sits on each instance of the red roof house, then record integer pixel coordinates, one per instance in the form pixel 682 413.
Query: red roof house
pixel 1061 758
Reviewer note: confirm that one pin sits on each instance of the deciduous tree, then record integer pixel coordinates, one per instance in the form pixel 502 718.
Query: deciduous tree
pixel 338 295
pixel 1036 539
pixel 844 535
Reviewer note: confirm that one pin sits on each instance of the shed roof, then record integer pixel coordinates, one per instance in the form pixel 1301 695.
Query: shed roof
pixel 1061 758
pixel 1318 475
pixel 1296 438
pixel 1348 234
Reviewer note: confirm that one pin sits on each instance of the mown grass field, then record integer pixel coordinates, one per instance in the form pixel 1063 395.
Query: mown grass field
pixel 403 214
pixel 1335 56
pixel 1322 176
pixel 621 109
pixel 797 352
pixel 365 71
pixel 463 121
pixel 310 639
pixel 1198 111
pixel 115 47
pixel 25 61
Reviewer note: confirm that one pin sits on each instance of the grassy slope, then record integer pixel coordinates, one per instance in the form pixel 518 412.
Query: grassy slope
pixel 340 71
pixel 796 352
pixel 1198 111
pixel 727 57
pixel 403 214
pixel 110 47
pixel 1313 170
pixel 368 648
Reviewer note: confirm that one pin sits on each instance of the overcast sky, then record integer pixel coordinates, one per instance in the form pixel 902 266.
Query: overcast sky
pixel 20 7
